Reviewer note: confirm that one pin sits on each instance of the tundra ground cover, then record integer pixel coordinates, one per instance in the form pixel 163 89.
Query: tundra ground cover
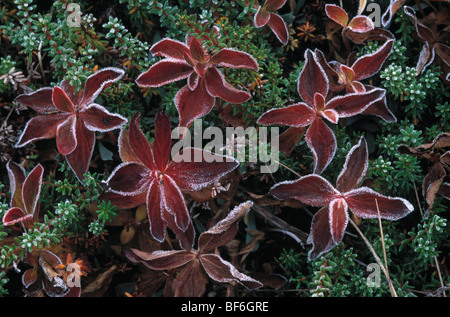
pixel 119 176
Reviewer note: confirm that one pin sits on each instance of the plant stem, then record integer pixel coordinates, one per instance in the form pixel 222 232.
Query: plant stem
pixel 373 252
pixel 391 287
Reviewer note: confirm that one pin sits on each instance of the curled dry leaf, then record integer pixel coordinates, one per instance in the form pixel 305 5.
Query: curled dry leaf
pixel 313 87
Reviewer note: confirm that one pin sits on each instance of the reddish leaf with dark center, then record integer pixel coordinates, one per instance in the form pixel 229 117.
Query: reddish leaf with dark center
pixel 71 117
pixel 435 44
pixel 205 82
pixel 313 87
pixel 266 16
pixel 148 169
pixel 329 223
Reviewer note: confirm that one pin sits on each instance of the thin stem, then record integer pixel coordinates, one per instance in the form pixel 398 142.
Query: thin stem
pixel 371 250
pixel 391 287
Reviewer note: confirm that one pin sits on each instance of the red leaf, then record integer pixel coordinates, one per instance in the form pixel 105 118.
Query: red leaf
pixel 279 27
pixel 129 179
pixel 311 189
pixel 155 208
pixel 62 101
pixel 29 277
pixel 174 202
pixel 224 231
pixel 190 281
pixel 80 158
pixel 217 86
pixel 224 272
pixel 298 115
pixel 75 94
pixel 164 72
pixel 355 167
pixel 196 51
pixel 380 109
pixel 320 234
pixel 139 143
pixel 393 7
pixel 163 141
pixel 273 5
pixel 125 151
pixel 261 18
pixel 16 175
pixel 66 139
pixel 95 83
pixel 352 104
pixel 368 65
pixel 424 32
pixel 322 142
pixel 338 219
pixel 15 215
pixel 186 237
pixel 312 79
pixel 192 174
pixel 193 104
pixel 39 100
pixel 41 127
pixel 170 48
pixel 228 57
pixel 362 203
pixel 337 14
pixel 31 190
pixel 361 24
pixel 123 202
pixel 97 118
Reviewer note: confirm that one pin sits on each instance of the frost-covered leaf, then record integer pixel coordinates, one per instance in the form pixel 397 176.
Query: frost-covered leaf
pixel 25 194
pixel 363 203
pixel 71 117
pixel 311 189
pixel 225 230
pixel 149 175
pixel 329 223
pixel 266 15
pixel 204 81
pixel 224 272
pixel 355 167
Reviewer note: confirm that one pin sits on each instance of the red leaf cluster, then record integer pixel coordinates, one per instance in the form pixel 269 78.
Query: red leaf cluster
pixel 266 16
pixel 69 115
pixel 194 267
pixel 329 223
pixel 205 82
pixel 149 175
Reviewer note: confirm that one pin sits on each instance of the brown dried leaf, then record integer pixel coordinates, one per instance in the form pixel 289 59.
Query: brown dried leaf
pixel 225 230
